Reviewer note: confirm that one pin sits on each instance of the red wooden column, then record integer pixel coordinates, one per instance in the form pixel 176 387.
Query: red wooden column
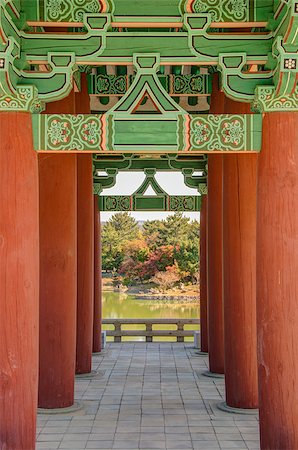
pixel 239 257
pixel 58 273
pixel 239 243
pixel 19 282
pixel 277 281
pixel 85 298
pixel 214 266
pixel 97 280
pixel 203 276
pixel 214 246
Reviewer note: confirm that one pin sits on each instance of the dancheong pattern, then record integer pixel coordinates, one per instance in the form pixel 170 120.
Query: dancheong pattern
pixel 164 202
pixel 77 132
pixel 70 10
pixel 173 84
pixel 223 10
pixel 108 84
pixel 266 101
pixel 183 203
pixel 201 133
pixel 218 132
pixel 118 203
pixel 188 84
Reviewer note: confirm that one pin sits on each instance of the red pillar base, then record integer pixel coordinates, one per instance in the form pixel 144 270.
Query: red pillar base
pixel 226 408
pixel 209 374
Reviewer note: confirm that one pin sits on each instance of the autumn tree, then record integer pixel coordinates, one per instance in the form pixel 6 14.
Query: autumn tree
pixel 119 230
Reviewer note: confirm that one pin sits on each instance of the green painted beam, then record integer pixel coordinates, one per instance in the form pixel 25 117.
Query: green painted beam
pixel 186 203
pixel 199 133
pixel 221 11
pixel 99 45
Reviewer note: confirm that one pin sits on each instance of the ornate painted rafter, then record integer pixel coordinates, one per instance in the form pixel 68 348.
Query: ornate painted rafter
pixel 193 169
pixel 140 201
pixel 170 130
pixel 193 32
pixel 189 84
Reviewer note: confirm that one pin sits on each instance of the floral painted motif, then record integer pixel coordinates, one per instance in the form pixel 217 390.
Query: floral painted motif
pixel 55 7
pixel 223 10
pixel 117 203
pixel 188 84
pixel 109 84
pixel 266 101
pixel 232 132
pixel 90 131
pixel 70 10
pixel 59 132
pixel 202 132
pixel 219 132
pixel 183 203
pixel 77 132
pixel 25 100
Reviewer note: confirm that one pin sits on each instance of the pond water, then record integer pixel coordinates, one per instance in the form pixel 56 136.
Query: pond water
pixel 122 306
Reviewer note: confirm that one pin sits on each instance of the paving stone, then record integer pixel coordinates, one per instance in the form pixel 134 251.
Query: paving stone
pixel 72 445
pixel 152 444
pixel 47 445
pixel 100 445
pixel 150 397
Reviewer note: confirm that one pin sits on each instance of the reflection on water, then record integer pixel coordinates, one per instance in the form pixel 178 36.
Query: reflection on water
pixel 122 306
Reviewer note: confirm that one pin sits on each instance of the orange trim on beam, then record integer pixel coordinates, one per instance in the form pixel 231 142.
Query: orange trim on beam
pixel 38 23
pixel 116 24
pixel 238 24
pixel 147 24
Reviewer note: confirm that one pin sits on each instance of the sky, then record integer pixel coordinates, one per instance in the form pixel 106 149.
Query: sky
pixel 171 182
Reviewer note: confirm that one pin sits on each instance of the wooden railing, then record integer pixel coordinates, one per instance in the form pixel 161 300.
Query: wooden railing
pixel 180 333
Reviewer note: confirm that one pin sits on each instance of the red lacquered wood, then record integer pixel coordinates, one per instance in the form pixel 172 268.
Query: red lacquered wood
pixel 277 281
pixel 214 246
pixel 239 261
pixel 214 265
pixel 97 280
pixel 85 298
pixel 218 99
pixel 58 279
pixel 58 272
pixel 203 276
pixel 19 282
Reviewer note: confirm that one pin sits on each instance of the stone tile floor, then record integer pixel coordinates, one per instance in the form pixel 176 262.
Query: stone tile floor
pixel 149 396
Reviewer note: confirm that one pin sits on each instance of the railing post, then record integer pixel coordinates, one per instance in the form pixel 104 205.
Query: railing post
pixel 149 328
pixel 117 338
pixel 180 327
